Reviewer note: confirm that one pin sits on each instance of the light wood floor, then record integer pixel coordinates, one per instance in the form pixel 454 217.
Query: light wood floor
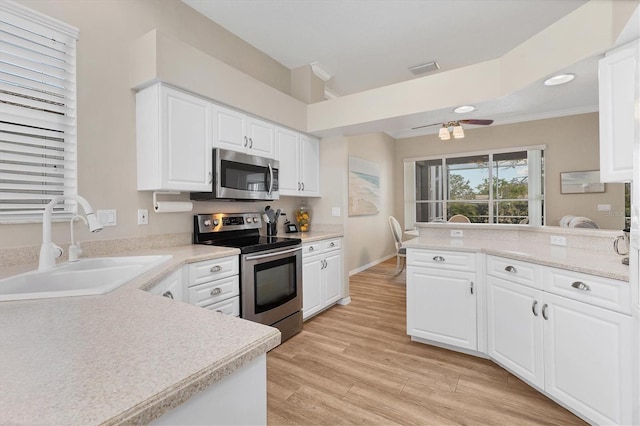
pixel 355 364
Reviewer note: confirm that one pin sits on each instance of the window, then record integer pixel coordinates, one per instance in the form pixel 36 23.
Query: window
pixel 495 187
pixel 37 113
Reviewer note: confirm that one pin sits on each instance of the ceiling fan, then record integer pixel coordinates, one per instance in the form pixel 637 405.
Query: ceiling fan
pixel 458 133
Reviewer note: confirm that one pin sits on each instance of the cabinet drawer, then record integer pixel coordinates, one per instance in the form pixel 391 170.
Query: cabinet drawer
pixel 213 269
pixel 311 249
pixel 334 244
pixel 442 259
pixel 227 307
pixel 599 291
pixel 515 271
pixel 214 291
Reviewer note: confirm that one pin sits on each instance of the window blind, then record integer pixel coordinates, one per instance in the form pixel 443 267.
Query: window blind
pixel 38 158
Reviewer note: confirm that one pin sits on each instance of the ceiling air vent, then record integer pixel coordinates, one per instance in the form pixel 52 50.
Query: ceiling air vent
pixel 424 68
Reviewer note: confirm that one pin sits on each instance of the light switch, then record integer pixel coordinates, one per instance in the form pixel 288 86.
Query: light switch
pixel 107 217
pixel 335 211
pixel 604 207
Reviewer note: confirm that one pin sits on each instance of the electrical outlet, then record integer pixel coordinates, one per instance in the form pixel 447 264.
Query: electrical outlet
pixel 558 240
pixel 335 211
pixel 604 207
pixel 107 217
pixel 143 217
pixel 456 233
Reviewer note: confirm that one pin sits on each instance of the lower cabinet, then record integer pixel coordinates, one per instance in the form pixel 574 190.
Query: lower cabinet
pixel 578 353
pixel 441 297
pixel 321 275
pixel 170 286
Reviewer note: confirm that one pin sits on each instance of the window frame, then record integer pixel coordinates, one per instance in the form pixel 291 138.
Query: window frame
pixel 535 182
pixel 38 106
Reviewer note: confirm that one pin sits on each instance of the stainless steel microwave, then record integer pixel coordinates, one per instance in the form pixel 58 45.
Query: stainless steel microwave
pixel 238 176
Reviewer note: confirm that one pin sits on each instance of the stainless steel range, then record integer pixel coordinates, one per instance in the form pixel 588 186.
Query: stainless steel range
pixel 270 268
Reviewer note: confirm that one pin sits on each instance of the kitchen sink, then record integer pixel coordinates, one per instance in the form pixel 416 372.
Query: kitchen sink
pixel 91 276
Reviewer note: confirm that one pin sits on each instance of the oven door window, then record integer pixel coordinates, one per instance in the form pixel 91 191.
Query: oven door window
pixel 275 283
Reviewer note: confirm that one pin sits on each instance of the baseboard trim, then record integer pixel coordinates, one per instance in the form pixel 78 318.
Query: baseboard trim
pixel 370 264
pixel 344 301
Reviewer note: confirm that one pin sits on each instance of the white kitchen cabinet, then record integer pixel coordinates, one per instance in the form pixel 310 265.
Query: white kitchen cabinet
pixel 299 157
pixel 441 298
pixel 619 77
pixel 515 330
pixel 173 140
pixel 588 359
pixel 170 286
pixel 214 284
pixel 321 275
pixel 239 132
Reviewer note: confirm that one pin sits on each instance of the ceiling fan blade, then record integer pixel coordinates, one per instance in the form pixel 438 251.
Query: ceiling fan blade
pixel 477 122
pixel 426 125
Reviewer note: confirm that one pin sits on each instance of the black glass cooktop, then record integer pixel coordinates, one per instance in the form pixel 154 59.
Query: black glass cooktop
pixel 252 244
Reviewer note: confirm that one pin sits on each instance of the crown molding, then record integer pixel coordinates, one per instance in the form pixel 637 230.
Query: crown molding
pixel 320 72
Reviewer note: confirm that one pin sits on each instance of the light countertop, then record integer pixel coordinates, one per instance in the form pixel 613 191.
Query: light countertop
pixel 606 265
pixel 312 236
pixel 124 357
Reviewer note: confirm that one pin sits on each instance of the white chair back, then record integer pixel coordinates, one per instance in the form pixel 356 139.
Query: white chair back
pixel 396 231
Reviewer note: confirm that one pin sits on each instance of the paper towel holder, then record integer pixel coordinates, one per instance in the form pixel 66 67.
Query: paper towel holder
pixel 170 206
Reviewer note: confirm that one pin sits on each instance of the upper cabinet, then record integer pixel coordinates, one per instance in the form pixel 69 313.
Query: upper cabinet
pixel 239 132
pixel 299 157
pixel 619 80
pixel 173 135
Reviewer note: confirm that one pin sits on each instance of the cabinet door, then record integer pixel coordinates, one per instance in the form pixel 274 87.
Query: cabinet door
pixel 515 328
pixel 441 306
pixel 186 142
pixel 310 166
pixel 333 277
pixel 588 359
pixel 261 141
pixel 229 130
pixel 618 74
pixel 288 154
pixel 170 287
pixel 311 286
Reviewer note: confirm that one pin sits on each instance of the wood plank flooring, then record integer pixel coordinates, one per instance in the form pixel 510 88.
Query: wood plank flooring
pixel 355 364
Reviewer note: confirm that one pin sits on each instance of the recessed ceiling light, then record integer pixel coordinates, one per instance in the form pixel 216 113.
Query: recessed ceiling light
pixel 559 79
pixel 464 108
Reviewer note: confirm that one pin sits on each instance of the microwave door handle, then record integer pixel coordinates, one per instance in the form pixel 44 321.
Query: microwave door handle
pixel 277 253
pixel 270 179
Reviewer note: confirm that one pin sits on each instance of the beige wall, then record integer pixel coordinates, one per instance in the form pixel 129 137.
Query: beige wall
pixel 572 145
pixel 106 108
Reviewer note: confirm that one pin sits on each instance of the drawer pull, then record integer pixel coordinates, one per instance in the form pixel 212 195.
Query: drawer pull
pixel 438 259
pixel 471 287
pixel 580 286
pixel 216 268
pixel 332 244
pixel 216 291
pixel 533 308
pixel 167 294
pixel 511 269
pixel 311 248
pixel 544 311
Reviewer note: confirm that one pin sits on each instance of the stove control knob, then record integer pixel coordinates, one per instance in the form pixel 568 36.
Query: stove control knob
pixel 255 219
pixel 216 222
pixel 207 222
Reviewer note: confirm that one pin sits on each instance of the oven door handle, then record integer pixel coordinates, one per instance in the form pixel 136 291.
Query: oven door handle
pixel 277 253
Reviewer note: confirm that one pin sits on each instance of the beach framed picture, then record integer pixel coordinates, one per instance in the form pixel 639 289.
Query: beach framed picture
pixel 364 187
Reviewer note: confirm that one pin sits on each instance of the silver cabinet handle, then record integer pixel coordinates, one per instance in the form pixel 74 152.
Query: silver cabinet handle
pixel 311 248
pixel 332 244
pixel 533 308
pixel 299 187
pixel 511 269
pixel 270 179
pixel 544 311
pixel 302 183
pixel 210 177
pixel 246 141
pixel 438 259
pixel 250 143
pixel 471 288
pixel 216 268
pixel 216 291
pixel 167 294
pixel 580 286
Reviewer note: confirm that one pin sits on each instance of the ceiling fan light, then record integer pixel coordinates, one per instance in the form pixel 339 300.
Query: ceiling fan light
pixel 458 133
pixel 443 134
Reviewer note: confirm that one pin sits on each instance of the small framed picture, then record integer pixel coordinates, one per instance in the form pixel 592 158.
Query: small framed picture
pixel 292 228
